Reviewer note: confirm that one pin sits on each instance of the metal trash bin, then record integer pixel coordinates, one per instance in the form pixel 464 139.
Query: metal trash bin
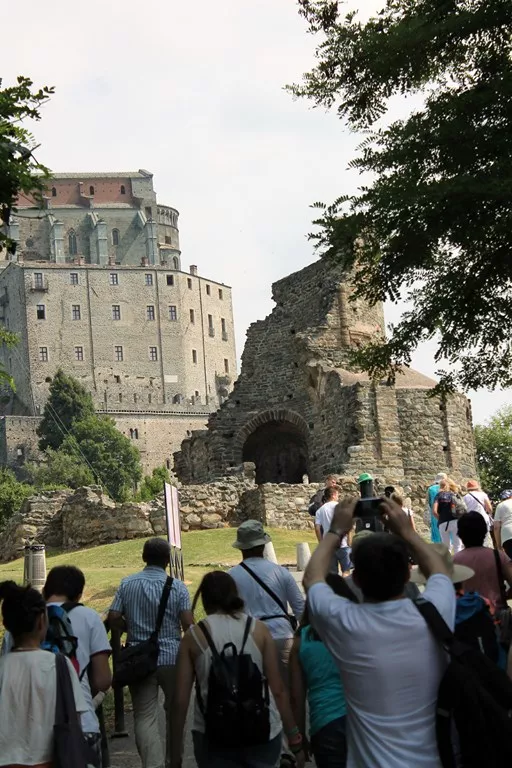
pixel 34 571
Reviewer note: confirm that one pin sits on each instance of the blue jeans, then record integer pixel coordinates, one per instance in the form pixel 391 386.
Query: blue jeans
pixel 257 756
pixel 329 745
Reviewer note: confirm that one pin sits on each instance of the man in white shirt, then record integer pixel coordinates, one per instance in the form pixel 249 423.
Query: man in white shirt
pixel 390 663
pixel 323 519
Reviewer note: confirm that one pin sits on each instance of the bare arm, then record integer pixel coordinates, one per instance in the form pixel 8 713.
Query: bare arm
pixel 434 510
pixel 507 572
pixel 186 619
pixel 318 566
pixel 497 534
pixel 185 674
pixel 116 621
pixel 488 506
pixel 318 531
pixel 297 687
pixel 100 676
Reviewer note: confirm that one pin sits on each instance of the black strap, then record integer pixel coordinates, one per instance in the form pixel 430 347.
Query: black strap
pixel 65 708
pixel 501 578
pixel 268 591
pixel 204 629
pixel 478 500
pixel 163 605
pixel 436 623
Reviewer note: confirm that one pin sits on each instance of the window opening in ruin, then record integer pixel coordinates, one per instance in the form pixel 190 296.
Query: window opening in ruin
pixel 79 353
pixel 43 354
pixel 176 263
pixel 149 214
pixel 116 311
pixel 29 242
pixel 221 294
pixel 150 312
pixel 73 278
pixel 48 380
pixel 211 329
pixel 224 330
pixel 54 192
pixel 113 278
pixel 192 317
pixel 117 379
pixel 148 279
pixel 38 280
pixel 189 283
pixel 134 434
pixel 194 356
pixel 149 398
pixel 173 313
pixel 135 397
pixel 41 312
pixel 168 463
pixel 118 354
pixel 115 237
pixel 197 394
pixel 208 290
pixel 91 190
pixel 75 312
pixel 72 244
pixel 123 189
pixel 120 397
pixel 168 240
pixel 170 279
pixel 153 354
pixel 226 365
pixel 280 452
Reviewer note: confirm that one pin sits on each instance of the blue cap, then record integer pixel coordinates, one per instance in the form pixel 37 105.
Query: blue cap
pixel 505 495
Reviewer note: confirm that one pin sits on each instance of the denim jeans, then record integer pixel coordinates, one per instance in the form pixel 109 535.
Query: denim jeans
pixel 257 756
pixel 329 745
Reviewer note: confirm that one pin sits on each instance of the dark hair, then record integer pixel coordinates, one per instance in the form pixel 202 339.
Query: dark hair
pixel 340 587
pixel 156 552
pixel 381 566
pixel 218 592
pixel 65 580
pixel 389 490
pixel 472 529
pixel 331 492
pixel 253 551
pixel 21 608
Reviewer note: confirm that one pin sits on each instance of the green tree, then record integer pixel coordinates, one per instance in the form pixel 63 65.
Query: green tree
pixel 494 452
pixel 60 469
pixel 19 170
pixel 153 484
pixel 112 457
pixel 433 222
pixel 12 494
pixel 68 402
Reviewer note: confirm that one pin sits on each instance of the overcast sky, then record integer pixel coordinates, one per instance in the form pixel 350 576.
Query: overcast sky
pixel 193 91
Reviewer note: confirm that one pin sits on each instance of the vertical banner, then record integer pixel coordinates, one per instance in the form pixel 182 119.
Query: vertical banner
pixel 173 521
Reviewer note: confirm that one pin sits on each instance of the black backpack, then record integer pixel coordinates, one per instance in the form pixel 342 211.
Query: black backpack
pixel 474 704
pixel 475 626
pixel 316 502
pixel 237 706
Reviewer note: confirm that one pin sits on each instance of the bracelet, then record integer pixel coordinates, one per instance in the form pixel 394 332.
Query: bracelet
pixel 294 731
pixel 339 534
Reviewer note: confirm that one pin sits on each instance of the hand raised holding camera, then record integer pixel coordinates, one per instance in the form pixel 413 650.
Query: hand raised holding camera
pixel 395 518
pixel 343 518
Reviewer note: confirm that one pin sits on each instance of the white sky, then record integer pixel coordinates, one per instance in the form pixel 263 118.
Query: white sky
pixel 193 91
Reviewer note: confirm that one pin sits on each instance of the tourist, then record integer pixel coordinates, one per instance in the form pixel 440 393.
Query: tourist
pixel 227 626
pixel 445 511
pixel 314 677
pixel 267 589
pixel 477 500
pixel 503 523
pixel 28 682
pixel 432 492
pixel 472 530
pixel 135 610
pixel 319 497
pixel 399 499
pixel 391 665
pixel 323 523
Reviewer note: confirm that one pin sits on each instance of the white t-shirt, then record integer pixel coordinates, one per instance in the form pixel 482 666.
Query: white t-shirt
pixel 324 517
pixel 28 695
pixel 259 604
pixel 391 667
pixel 475 502
pixel 503 515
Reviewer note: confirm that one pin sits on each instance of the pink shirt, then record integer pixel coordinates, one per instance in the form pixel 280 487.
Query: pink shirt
pixel 485 581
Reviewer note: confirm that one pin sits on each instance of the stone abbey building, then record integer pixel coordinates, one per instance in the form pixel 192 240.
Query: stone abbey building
pixel 297 409
pixel 96 287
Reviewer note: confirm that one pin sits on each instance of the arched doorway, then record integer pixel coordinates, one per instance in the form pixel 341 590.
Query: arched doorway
pixel 279 450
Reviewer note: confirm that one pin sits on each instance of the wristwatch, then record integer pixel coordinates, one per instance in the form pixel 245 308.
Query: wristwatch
pixel 338 533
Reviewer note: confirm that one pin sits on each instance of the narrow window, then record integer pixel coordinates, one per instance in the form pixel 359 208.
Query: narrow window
pixel 149 398
pixel 117 379
pixel 116 311
pixel 43 354
pixel 170 279
pixel 135 398
pixel 168 240
pixel 173 313
pixel 41 312
pixel 73 278
pixel 226 365
pixel 118 354
pixel 79 353
pixel 113 278
pixel 208 290
pixel 120 397
pixel 224 330
pixel 176 263
pixel 54 192
pixel 189 283
pixel 221 294
pixel 211 329
pixel 194 356
pixel 123 189
pixel 38 280
pixel 192 316
pixel 91 190
pixel 75 312
pixel 72 244
pixel 149 214
pixel 148 279
pixel 196 393
pixel 115 237
pixel 150 312
pixel 136 434
pixel 153 354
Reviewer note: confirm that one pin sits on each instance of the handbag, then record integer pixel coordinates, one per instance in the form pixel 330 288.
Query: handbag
pixel 503 616
pixel 284 615
pixel 459 506
pixel 135 663
pixel 70 750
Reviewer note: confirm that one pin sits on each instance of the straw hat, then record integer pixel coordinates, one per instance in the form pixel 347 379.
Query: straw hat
pixel 455 572
pixel 473 485
pixel 250 534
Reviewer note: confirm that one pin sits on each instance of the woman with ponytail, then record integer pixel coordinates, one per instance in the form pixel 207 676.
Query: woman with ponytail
pixel 28 682
pixel 227 627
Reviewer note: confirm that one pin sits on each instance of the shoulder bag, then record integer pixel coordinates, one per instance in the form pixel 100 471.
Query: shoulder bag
pixel 135 663
pixel 284 615
pixel 70 749
pixel 503 616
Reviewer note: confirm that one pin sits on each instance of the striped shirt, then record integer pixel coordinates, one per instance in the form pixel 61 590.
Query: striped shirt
pixel 138 598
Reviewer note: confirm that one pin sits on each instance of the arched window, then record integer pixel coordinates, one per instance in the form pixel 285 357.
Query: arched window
pixel 115 237
pixel 73 249
pixel 176 263
pixel 54 192
pixel 91 190
pixel 123 189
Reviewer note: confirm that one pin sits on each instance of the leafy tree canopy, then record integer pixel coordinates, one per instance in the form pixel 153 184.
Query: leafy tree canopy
pixel 494 452
pixel 434 223
pixel 68 402
pixel 19 170
pixel 12 494
pixel 60 469
pixel 153 484
pixel 112 457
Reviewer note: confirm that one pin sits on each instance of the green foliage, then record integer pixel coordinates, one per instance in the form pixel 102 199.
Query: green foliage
pixel 433 225
pixel 12 494
pixel 67 403
pixel 60 470
pixel 113 459
pixel 153 484
pixel 494 452
pixel 19 170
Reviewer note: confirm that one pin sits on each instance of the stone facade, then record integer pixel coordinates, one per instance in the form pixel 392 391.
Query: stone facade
pixel 298 409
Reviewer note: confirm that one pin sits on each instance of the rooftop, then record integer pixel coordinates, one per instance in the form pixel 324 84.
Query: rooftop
pixel 140 174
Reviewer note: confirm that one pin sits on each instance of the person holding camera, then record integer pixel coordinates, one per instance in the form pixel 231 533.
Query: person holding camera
pixel 391 665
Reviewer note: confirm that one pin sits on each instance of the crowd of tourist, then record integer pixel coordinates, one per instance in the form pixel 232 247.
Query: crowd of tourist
pixel 348 677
